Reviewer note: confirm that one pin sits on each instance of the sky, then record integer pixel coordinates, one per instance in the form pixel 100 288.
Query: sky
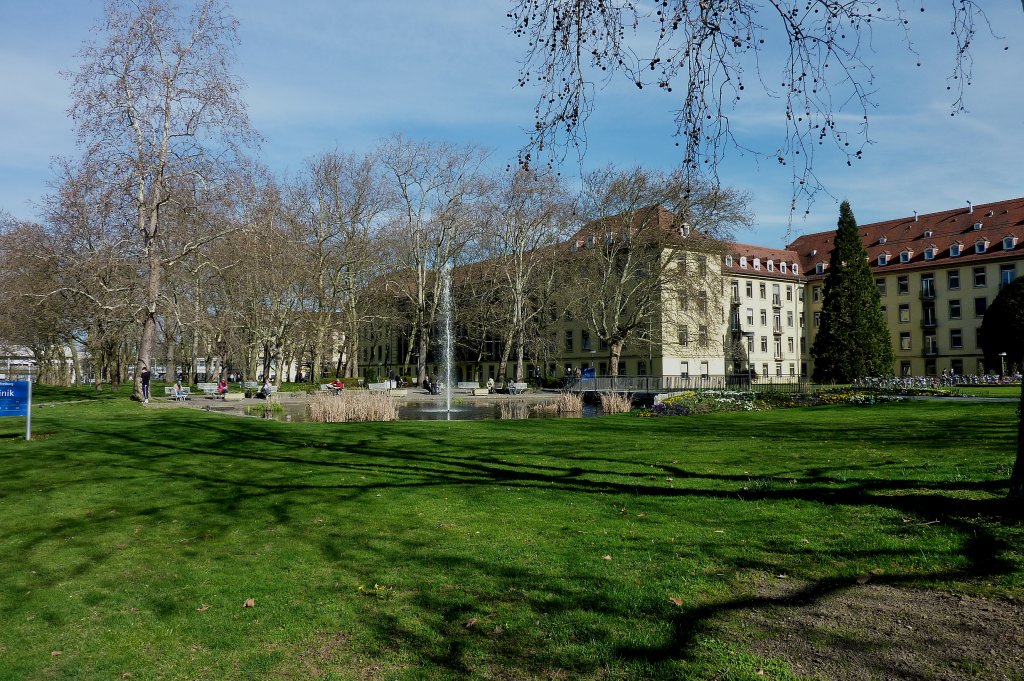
pixel 344 74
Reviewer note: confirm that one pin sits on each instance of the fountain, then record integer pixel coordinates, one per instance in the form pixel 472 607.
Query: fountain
pixel 447 342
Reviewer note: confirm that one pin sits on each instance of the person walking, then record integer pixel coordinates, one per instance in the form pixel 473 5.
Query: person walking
pixel 144 377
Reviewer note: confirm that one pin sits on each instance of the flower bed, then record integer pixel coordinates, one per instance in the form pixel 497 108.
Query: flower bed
pixel 718 401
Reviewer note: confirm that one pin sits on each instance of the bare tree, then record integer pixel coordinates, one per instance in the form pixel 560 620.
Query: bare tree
pixel 337 207
pixel 156 101
pixel 529 213
pixel 436 187
pixel 811 57
pixel 633 257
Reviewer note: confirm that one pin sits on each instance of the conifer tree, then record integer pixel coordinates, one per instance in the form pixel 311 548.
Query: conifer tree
pixel 853 339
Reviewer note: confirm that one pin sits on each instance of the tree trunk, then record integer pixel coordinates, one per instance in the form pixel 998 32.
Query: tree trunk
pixel 614 353
pixel 148 341
pixel 1016 495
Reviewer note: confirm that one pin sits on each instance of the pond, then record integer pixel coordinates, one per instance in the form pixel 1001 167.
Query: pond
pixel 296 412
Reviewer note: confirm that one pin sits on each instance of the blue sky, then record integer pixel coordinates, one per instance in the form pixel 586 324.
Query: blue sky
pixel 346 73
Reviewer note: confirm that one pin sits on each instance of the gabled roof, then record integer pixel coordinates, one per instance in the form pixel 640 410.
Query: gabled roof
pixel 993 220
pixel 763 254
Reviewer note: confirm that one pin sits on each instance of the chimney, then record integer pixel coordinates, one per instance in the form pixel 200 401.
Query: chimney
pixel 915 216
pixel 970 207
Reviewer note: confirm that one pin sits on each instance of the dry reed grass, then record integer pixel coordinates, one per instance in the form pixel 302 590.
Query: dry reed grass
pixel 513 409
pixel 353 406
pixel 567 403
pixel 615 403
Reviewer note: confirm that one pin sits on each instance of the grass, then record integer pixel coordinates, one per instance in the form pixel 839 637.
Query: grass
pixel 504 549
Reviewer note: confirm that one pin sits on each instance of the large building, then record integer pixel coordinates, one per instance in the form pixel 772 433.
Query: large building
pixel 755 310
pixel 937 274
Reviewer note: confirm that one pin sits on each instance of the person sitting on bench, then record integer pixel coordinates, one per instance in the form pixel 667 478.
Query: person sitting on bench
pixel 222 387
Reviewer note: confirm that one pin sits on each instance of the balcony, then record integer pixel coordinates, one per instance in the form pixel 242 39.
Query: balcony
pixel 929 323
pixel 776 301
pixel 927 293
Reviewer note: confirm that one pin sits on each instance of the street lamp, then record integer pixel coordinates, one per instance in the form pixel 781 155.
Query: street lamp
pixel 1002 360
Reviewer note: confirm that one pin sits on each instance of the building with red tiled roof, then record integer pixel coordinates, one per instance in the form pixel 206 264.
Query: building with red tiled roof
pixel 937 273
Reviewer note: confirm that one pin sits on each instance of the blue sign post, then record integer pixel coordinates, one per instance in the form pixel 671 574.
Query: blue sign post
pixel 16 400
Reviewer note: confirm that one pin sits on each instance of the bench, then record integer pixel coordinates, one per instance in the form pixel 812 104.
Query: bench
pixel 232 397
pixel 377 387
pixel 169 391
pixel 480 392
pixel 468 385
pixel 250 385
pixel 207 388
pixel 398 392
pixel 516 388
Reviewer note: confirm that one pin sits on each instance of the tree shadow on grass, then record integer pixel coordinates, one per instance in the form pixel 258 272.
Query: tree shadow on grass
pixel 232 470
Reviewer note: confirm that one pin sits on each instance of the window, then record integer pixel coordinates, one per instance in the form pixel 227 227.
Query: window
pixel 764 317
pixel 880 283
pixel 757 263
pixel 801 320
pixel 762 289
pixel 904 340
pixel 585 340
pixel 956 366
pixel 764 370
pixel 1007 273
pixel 771 265
pixel 792 369
pixel 816 293
pixel 789 343
pixel 778 370
pixel 743 262
pixel 904 313
pixel 1009 242
pixel 641 368
pixel 789 292
pixel 750 316
pixel 764 343
pixel 702 265
pixel 817 319
pixel 977 338
pixel 803 349
pixel 980 279
pixel 776 295
pixel 684 369
pixel 681 262
pixel 750 344
pixel 954 309
pixel 956 338
pixel 728 261
pixel 927 285
pixel 782 266
pixel 883 259
pixel 954 250
pixel 980 306
pixel 905 255
pixel 931 345
pixel 929 253
pixel 953 280
pixel 819 268
pixel 702 336
pixel 568 340
pixel 750 289
pixel 796 269
pixel 903 284
pixel 980 246
pixel 789 318
pixel 702 301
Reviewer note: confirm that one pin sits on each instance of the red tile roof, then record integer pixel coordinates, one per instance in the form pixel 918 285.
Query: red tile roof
pixel 763 254
pixel 915 234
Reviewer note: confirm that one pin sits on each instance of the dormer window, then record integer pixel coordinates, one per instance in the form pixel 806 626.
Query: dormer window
pixel 883 259
pixel 782 266
pixel 1009 242
pixel 927 234
pixel 743 262
pixel 728 261
pixel 954 249
pixel 796 270
pixel 771 266
pixel 977 226
pixel 591 241
pixel 882 240
pixel 929 253
pixel 757 263
pixel 906 254
pixel 981 246
pixel 819 268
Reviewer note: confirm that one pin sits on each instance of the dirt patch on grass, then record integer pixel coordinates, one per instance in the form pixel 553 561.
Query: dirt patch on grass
pixel 880 631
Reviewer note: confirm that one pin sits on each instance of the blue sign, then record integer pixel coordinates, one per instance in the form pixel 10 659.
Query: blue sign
pixel 15 398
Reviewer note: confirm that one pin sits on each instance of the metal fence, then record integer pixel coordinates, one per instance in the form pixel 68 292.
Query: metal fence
pixel 664 384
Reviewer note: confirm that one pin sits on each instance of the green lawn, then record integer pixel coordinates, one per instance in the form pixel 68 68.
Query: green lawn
pixel 130 538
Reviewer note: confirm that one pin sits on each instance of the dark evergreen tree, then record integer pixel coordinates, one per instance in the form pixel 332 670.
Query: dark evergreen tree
pixel 853 339
pixel 1002 330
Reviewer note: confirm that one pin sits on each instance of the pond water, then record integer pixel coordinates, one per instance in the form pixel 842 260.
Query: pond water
pixel 297 412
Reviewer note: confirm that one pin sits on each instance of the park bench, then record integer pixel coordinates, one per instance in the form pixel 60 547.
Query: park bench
pixel 516 388
pixel 209 389
pixel 377 387
pixel 251 385
pixel 184 395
